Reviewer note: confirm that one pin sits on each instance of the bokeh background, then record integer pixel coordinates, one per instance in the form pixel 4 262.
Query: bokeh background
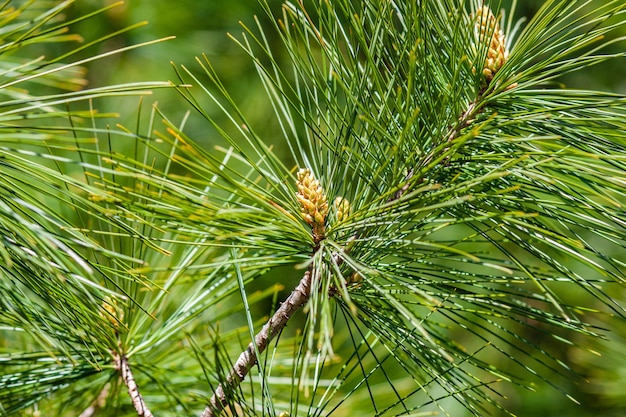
pixel 201 27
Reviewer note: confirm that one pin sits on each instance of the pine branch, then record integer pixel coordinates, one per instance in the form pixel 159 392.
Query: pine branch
pixel 463 195
pixel 121 364
pixel 248 358
pixel 309 194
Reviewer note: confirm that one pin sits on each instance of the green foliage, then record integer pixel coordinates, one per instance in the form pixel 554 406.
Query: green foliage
pixel 481 233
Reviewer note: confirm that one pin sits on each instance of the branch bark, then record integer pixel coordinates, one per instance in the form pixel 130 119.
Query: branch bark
pixel 248 358
pixel 121 364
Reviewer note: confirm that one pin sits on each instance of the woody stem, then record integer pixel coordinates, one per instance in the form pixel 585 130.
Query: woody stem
pixel 121 364
pixel 248 358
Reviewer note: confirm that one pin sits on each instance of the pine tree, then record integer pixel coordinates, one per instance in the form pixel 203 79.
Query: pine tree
pixel 433 209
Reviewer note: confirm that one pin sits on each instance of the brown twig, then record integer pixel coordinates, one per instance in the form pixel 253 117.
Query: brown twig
pixel 465 119
pixel 121 364
pixel 248 358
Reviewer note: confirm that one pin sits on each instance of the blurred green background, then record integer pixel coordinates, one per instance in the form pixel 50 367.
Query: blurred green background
pixel 201 27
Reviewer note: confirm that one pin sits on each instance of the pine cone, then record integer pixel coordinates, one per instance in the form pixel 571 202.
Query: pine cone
pixel 342 208
pixel 488 32
pixel 313 201
pixel 111 311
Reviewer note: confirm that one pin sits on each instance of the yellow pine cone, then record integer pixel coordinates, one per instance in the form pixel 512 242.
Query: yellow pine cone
pixel 112 312
pixel 355 279
pixel 313 202
pixel 497 54
pixel 342 208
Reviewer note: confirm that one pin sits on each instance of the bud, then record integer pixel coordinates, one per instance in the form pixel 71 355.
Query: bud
pixel 342 208
pixel 111 311
pixel 313 202
pixel 488 33
pixel 355 280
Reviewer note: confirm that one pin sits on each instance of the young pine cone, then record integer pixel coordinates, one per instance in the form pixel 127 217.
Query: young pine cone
pixel 313 202
pixel 342 208
pixel 111 311
pixel 488 32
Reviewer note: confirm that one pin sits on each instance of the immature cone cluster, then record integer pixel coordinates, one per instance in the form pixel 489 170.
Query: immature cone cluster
pixel 112 312
pixel 313 201
pixel 355 279
pixel 497 54
pixel 342 208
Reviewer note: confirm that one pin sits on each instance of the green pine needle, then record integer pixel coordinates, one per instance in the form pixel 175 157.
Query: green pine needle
pixel 474 234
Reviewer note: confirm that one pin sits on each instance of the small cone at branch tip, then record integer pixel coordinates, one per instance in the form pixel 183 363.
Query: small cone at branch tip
pixel 313 202
pixel 342 208
pixel 111 311
pixel 355 280
pixel 486 25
